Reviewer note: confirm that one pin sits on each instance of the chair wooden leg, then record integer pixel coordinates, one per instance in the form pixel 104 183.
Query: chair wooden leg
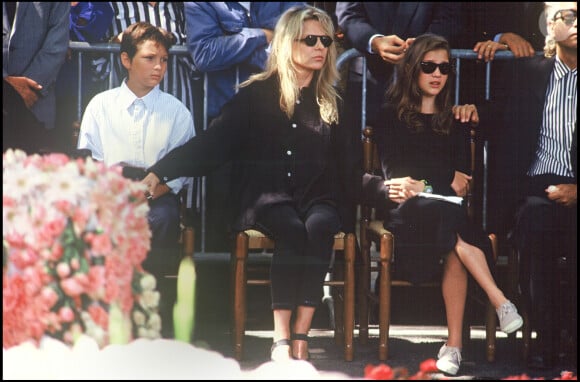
pixel 490 327
pixel 526 334
pixel 363 282
pixel 239 280
pixel 188 242
pixel 338 294
pixel 385 294
pixel 349 287
pixel 491 317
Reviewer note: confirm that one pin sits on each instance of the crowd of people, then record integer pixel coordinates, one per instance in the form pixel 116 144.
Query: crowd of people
pixel 280 144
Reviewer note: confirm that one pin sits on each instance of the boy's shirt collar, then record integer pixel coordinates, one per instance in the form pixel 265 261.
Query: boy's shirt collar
pixel 127 97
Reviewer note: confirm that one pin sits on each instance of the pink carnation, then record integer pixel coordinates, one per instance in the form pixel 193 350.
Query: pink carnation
pixel 70 249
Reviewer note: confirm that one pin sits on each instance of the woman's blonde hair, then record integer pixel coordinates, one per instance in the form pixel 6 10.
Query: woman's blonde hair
pixel 289 29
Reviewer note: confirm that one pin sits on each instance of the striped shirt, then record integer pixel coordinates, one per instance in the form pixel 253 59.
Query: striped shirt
pixel 169 16
pixel 559 119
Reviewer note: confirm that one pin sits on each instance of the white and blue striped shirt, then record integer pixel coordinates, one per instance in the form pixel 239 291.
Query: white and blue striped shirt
pixel 559 119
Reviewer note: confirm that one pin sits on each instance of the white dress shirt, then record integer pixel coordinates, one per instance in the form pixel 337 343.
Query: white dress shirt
pixel 120 128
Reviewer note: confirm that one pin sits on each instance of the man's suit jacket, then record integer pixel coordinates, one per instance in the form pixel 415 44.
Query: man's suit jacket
pixel 36 48
pixel 361 20
pixel 522 113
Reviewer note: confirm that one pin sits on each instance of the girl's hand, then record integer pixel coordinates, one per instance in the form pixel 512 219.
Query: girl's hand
pixel 460 183
pixel 401 189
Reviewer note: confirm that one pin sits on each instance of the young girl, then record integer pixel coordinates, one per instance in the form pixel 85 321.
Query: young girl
pixel 422 149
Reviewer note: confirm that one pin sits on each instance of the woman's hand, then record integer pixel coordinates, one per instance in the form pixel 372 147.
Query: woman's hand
pixel 466 113
pixel 151 181
pixel 460 183
pixel 401 189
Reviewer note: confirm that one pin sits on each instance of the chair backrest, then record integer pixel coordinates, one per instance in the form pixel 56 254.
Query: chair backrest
pixel 373 231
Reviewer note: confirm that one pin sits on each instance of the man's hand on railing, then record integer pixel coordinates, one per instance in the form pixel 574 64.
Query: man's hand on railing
pixel 466 113
pixel 519 46
pixel 486 49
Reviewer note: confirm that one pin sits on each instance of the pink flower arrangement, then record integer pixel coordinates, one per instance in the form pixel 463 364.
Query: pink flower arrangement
pixel 75 234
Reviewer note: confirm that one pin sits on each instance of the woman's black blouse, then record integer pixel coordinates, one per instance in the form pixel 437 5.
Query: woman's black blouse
pixel 301 160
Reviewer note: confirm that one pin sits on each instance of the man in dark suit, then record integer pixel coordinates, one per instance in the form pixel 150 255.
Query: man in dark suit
pixel 536 172
pixel 382 30
pixel 35 41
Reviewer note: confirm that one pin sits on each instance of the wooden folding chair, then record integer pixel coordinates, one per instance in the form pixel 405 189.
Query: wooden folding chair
pixel 243 275
pixel 372 231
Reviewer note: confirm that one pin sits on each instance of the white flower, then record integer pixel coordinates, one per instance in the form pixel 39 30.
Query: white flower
pixel 139 318
pixel 148 282
pixel 154 322
pixel 149 299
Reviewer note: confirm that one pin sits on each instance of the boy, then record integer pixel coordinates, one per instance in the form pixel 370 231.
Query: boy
pixel 136 124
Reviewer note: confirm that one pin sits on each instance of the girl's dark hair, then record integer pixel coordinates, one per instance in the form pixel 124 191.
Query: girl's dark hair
pixel 405 95
pixel 139 32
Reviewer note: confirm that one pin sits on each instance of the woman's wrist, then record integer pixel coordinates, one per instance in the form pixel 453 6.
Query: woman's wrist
pixel 427 187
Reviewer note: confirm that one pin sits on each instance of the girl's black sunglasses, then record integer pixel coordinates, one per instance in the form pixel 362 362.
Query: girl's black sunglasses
pixel 429 67
pixel 311 39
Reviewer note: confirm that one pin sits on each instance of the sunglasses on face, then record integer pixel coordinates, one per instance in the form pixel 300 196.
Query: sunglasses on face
pixel 311 40
pixel 429 67
pixel 568 16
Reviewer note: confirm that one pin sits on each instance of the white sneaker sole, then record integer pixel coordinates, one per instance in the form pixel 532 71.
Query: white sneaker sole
pixel 447 367
pixel 513 326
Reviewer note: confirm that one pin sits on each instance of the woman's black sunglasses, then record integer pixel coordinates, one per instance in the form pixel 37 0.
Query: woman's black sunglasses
pixel 311 39
pixel 429 67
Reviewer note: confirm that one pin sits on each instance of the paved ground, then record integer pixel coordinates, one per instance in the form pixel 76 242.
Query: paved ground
pixel 417 332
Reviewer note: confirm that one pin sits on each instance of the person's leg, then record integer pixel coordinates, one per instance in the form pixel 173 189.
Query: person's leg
pixel 454 289
pixel 540 235
pixel 163 220
pixel 283 225
pixel 474 260
pixel 281 349
pixel 322 223
pixel 163 258
pixel 302 323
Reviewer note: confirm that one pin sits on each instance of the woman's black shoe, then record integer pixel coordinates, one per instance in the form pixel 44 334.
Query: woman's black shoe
pixel 300 346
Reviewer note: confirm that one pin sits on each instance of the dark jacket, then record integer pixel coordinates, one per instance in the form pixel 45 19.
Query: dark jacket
pixel 361 20
pixel 521 115
pixel 520 112
pixel 424 155
pixel 36 48
pixel 275 159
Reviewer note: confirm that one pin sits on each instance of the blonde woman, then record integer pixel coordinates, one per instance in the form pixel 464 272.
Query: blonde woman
pixel 295 167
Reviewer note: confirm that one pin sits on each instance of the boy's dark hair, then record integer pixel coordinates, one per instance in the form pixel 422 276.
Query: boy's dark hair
pixel 139 32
